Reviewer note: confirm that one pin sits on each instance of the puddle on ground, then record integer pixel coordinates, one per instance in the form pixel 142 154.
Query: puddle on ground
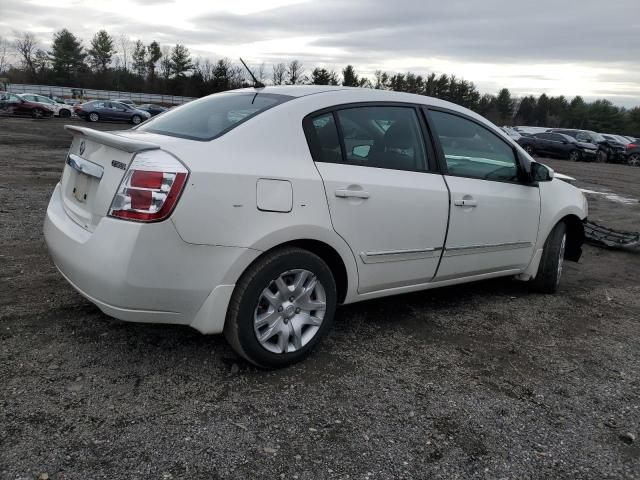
pixel 612 196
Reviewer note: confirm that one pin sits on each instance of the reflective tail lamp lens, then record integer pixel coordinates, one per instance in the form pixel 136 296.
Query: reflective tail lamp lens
pixel 150 188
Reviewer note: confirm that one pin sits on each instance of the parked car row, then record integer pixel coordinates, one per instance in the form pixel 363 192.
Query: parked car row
pixel 39 106
pixel 579 145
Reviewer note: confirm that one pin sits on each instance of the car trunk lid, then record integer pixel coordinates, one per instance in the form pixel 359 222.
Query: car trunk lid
pixel 94 168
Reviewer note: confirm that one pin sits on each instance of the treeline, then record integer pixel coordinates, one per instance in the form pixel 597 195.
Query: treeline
pixel 121 64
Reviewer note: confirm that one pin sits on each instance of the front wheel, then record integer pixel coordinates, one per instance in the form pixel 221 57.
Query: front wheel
pixel 574 155
pixel 601 156
pixel 550 269
pixel 634 160
pixel 136 119
pixel 37 113
pixel 281 308
pixel 530 150
pixel 64 113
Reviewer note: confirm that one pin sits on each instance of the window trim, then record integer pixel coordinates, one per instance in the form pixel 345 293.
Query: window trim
pixel 520 163
pixel 431 163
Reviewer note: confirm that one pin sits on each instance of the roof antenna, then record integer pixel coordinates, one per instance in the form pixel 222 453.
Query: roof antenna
pixel 256 83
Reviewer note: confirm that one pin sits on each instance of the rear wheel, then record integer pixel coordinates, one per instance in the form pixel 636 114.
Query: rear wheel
pixel 136 119
pixel 634 160
pixel 529 149
pixel 37 113
pixel 94 117
pixel 574 155
pixel 550 269
pixel 64 113
pixel 281 308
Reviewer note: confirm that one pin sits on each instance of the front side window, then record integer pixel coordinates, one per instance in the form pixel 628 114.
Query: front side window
pixel 383 137
pixel 471 150
pixel 212 116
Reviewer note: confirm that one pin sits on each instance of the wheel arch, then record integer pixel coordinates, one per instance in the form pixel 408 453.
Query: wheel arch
pixel 575 237
pixel 326 252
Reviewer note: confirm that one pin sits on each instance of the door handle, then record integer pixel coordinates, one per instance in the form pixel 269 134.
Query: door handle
pixel 465 202
pixel 342 193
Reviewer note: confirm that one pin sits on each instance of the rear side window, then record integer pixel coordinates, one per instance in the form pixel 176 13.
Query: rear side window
pixel 471 150
pixel 212 116
pixel 324 141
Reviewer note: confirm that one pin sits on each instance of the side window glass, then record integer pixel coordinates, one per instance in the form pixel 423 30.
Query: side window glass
pixel 471 150
pixel 383 137
pixel 325 143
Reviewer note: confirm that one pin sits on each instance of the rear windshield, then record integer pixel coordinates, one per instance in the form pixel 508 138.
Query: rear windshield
pixel 212 116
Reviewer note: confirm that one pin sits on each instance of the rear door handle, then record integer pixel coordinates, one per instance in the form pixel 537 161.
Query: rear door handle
pixel 465 202
pixel 343 193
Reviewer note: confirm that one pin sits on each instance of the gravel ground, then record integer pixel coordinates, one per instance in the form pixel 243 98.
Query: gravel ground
pixel 485 380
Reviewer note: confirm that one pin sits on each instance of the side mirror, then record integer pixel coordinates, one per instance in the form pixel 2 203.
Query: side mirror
pixel 541 173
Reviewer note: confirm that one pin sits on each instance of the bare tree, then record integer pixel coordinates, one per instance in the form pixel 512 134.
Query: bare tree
pixel 260 74
pixel 295 73
pixel 165 62
pixel 125 45
pixel 279 71
pixel 25 46
pixel 5 54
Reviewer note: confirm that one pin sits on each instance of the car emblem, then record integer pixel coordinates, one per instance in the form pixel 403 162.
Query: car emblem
pixel 82 147
pixel 120 165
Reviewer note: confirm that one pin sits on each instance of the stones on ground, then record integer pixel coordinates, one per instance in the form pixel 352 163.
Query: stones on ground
pixel 269 450
pixel 235 369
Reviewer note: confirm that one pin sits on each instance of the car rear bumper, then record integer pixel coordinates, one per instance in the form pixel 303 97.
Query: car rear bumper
pixel 144 272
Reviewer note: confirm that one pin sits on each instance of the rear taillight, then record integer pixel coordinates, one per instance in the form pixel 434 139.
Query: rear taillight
pixel 151 187
pixel 631 145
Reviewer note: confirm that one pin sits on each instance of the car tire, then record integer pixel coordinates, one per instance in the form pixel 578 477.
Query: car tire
pixel 574 156
pixel 37 113
pixel 634 160
pixel 64 113
pixel 136 119
pixel 550 269
pixel 530 150
pixel 93 117
pixel 261 306
pixel 601 156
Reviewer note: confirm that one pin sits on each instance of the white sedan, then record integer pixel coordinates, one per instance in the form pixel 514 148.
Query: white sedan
pixel 256 212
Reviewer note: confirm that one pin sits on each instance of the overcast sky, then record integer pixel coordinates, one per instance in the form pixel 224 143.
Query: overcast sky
pixel 589 47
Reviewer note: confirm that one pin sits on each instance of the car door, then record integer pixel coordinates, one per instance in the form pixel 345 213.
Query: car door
pixel 120 111
pixel 493 222
pixel 384 199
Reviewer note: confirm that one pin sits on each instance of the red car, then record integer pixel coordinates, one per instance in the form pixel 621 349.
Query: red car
pixel 13 104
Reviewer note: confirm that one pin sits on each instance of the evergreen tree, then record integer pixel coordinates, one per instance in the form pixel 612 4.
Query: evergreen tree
pixel 322 76
pixel 67 54
pixel 504 105
pixel 101 51
pixel 154 54
pixel 139 59
pixel 180 61
pixel 349 77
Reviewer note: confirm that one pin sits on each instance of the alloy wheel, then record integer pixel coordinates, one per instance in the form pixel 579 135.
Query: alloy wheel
pixel 634 160
pixel 574 156
pixel 290 311
pixel 94 117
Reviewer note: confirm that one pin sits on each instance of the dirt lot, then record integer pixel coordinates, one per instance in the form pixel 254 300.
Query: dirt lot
pixel 479 381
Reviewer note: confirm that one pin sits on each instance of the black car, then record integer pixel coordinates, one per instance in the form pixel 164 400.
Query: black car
pixel 631 150
pixel 607 150
pixel 152 109
pixel 558 145
pixel 97 110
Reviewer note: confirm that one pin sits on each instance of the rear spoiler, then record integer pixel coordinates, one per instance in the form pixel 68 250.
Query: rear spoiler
pixel 112 139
